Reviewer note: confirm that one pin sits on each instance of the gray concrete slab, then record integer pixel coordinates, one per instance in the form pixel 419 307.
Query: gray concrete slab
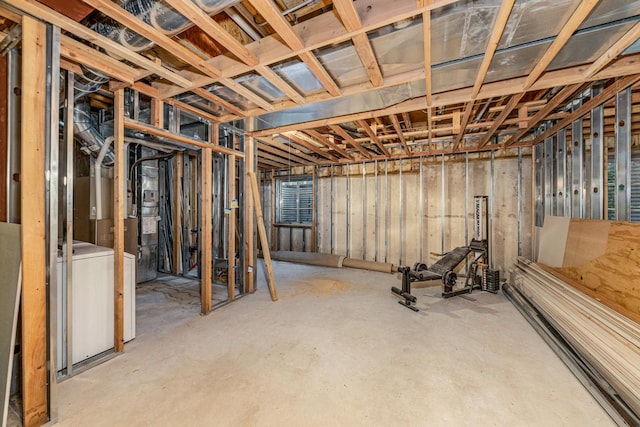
pixel 335 350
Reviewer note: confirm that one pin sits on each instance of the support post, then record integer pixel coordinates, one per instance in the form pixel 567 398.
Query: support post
pixel 271 281
pixel 119 197
pixel 231 256
pixel 176 206
pixel 205 229
pixel 623 155
pixel 249 218
pixel 33 236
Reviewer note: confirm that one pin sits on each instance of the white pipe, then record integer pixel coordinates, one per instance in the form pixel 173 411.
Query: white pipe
pixel 98 175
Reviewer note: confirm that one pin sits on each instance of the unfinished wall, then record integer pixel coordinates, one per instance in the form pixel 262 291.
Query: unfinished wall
pixel 399 211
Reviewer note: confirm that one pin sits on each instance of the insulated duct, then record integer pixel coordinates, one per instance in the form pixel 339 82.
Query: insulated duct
pixel 159 15
pixel 86 132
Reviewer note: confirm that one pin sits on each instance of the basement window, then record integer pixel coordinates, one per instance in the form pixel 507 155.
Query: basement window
pixel 294 200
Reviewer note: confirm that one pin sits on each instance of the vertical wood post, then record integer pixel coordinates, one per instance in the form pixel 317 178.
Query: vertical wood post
pixel 231 256
pixel 176 207
pixel 249 218
pixel 157 113
pixel 205 230
pixel 33 241
pixel 119 179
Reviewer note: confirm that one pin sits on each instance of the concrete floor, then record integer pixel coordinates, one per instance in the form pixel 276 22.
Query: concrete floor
pixel 335 350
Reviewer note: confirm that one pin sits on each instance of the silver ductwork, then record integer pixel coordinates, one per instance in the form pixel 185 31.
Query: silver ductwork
pixel 160 16
pixel 86 132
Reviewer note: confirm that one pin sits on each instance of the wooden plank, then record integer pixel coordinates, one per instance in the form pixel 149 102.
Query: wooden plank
pixel 231 229
pixel 193 110
pixel 586 240
pixel 173 47
pixel 511 105
pixel 348 14
pixel 321 74
pixel 279 82
pixel 398 129
pixel 582 11
pixel 214 30
pixel 176 208
pixel 33 237
pixel 271 13
pixel 205 94
pixel 79 52
pixel 614 50
pixel 496 34
pixel 42 12
pixel 368 58
pixel 151 130
pixel 293 137
pixel 157 113
pixel 286 156
pixel 288 149
pixel 603 96
pixel 337 129
pixel 266 253
pixel 249 218
pixel 374 138
pixel 119 200
pixel 544 112
pixel 324 140
pixel 206 224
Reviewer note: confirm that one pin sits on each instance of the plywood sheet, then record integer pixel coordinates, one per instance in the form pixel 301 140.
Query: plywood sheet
pixel 614 277
pixel 9 292
pixel 586 240
pixel 553 240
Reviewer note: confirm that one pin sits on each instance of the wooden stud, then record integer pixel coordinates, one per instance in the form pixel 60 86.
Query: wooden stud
pixel 612 53
pixel 231 229
pixel 176 208
pixel 151 130
pixel 119 200
pixel 271 281
pixel 249 218
pixel 206 226
pixel 157 113
pixel 368 58
pixel 33 240
pixel 523 117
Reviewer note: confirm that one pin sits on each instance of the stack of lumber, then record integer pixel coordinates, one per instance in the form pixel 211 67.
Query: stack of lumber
pixel 599 344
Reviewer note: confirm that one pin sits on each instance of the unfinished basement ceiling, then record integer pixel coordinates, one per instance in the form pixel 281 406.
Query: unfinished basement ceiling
pixel 346 74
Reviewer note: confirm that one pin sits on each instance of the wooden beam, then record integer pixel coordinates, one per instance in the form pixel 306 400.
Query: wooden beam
pixel 279 82
pixel 173 47
pixel 142 127
pixel 272 14
pixel 119 199
pixel 348 138
pixel 558 99
pixel 324 140
pixel 398 129
pixel 287 156
pixel 205 94
pixel 249 211
pixel 157 113
pixel 271 281
pixel 42 12
pixel 176 209
pixel 321 74
pixel 247 93
pixel 513 103
pixel 426 34
pixel 193 110
pixel 206 223
pixel 348 15
pixel 496 34
pixel 214 30
pixel 582 11
pixel 33 219
pixel 79 52
pixel 612 53
pixel 274 161
pixel 308 145
pixel 288 149
pixel 463 125
pixel 602 97
pixel 374 138
pixel 368 58
pixel 231 229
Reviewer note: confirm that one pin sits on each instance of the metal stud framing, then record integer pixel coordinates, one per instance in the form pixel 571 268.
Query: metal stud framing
pixel 623 155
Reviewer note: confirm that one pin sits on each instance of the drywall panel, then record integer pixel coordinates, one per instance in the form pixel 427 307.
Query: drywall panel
pixel 9 292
